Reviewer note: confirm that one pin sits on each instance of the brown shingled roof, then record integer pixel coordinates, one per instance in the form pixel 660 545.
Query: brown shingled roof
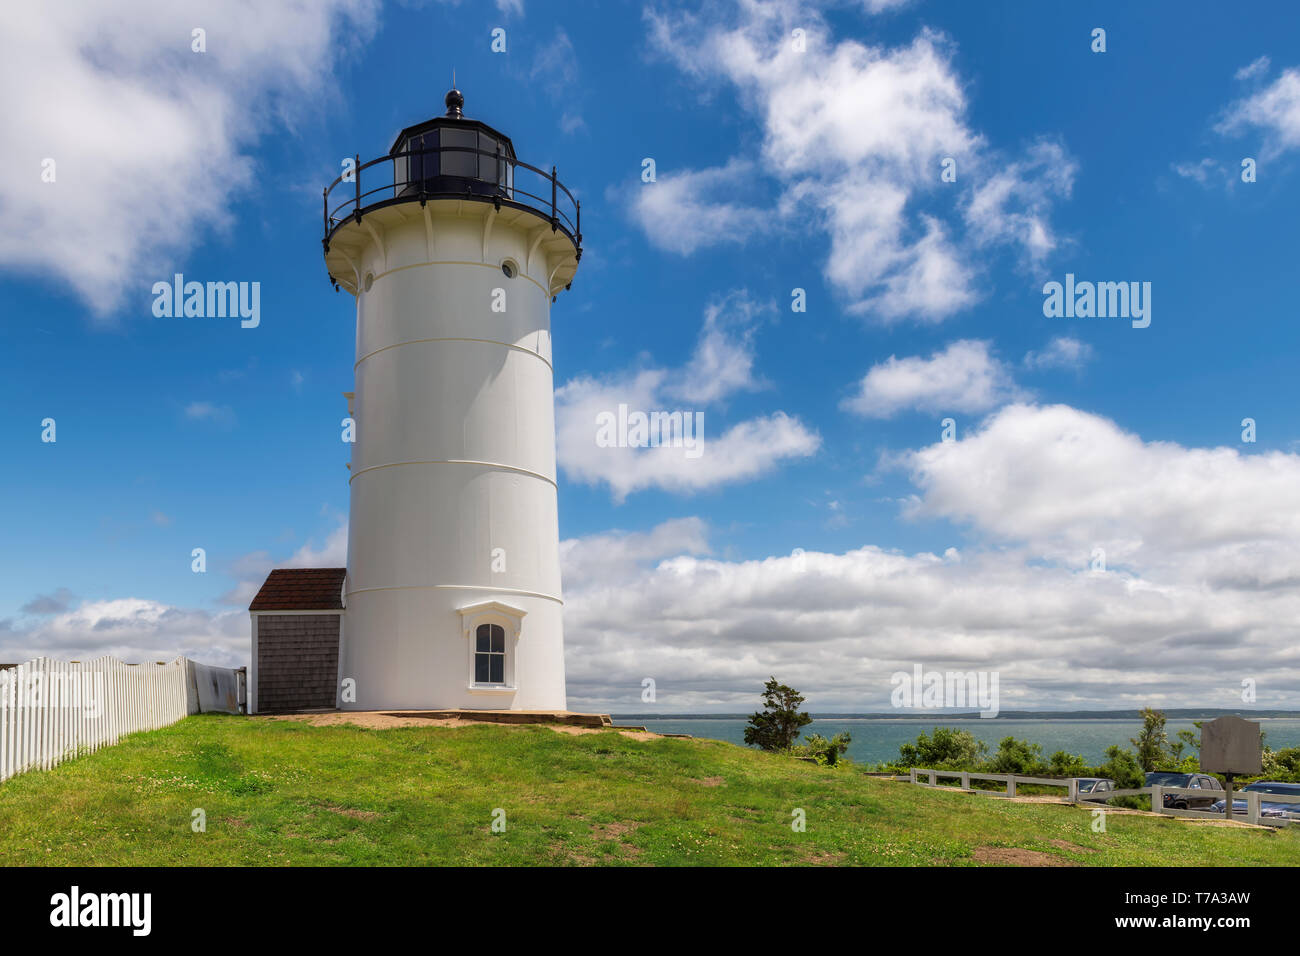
pixel 301 589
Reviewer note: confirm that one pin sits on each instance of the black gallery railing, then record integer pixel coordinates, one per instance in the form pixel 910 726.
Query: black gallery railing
pixel 419 175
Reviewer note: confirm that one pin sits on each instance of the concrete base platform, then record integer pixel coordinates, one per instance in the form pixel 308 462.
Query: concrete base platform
pixel 563 717
pixel 567 717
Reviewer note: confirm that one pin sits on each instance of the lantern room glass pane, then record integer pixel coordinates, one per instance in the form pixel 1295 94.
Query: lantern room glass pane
pixel 459 163
pixel 488 165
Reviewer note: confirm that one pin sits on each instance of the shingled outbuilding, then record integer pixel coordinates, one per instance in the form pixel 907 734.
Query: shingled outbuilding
pixel 297 634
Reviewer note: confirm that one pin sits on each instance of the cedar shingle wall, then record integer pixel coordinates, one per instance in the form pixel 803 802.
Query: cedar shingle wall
pixel 297 661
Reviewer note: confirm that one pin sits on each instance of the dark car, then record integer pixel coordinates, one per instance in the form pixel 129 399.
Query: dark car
pixel 1284 811
pixel 1192 781
pixel 1095 784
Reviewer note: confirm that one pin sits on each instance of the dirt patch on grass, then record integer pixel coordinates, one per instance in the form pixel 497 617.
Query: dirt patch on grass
pixel 576 731
pixel 235 823
pixel 708 781
pixel 1072 847
pixel 354 814
pixel 821 858
pixel 612 831
pixel 1015 856
pixel 379 720
pixel 368 720
pixel 616 832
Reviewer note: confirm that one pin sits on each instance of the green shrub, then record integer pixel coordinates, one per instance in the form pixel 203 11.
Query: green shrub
pixel 947 749
pixel 1062 764
pixel 1018 756
pixel 827 753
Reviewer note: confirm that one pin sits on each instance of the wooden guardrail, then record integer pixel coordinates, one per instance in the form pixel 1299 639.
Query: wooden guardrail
pixel 1253 798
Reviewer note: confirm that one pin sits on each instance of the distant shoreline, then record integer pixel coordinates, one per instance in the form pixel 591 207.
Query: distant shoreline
pixel 1038 715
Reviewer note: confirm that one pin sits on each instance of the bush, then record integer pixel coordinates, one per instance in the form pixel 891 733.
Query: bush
pixel 827 753
pixel 1018 756
pixel 1064 764
pixel 948 749
pixel 1123 767
pixel 1282 764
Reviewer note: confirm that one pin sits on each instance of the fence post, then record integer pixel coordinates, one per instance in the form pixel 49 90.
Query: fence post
pixel 1072 790
pixel 913 774
pixel 934 779
pixel 1252 805
pixel 965 781
pixel 1157 799
pixel 1011 785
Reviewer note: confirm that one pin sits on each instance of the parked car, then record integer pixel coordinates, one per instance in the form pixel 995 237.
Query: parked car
pixel 1095 784
pixel 1285 811
pixel 1191 781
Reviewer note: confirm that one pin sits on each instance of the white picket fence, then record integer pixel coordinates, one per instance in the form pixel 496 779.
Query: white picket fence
pixel 52 710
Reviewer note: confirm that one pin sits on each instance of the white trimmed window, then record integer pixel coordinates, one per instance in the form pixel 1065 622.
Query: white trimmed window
pixel 489 654
pixel 491 632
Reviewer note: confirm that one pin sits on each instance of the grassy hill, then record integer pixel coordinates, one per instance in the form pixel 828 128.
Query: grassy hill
pixel 280 792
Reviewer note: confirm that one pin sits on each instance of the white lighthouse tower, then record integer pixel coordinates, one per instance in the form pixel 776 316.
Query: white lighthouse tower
pixel 454 250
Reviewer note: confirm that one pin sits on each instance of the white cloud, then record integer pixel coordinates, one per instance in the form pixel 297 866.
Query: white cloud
pixel 1012 205
pixel 720 365
pixel 680 211
pixel 964 377
pixel 1062 352
pixel 149 138
pixel 1254 68
pixel 855 136
pixel 1199 172
pixel 1063 481
pixel 132 629
pixel 1203 586
pixel 1273 111
pixel 210 412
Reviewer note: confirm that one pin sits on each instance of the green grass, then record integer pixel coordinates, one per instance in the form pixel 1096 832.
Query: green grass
pixel 281 792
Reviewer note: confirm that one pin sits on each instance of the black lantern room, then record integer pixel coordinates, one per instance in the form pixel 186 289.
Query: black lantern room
pixel 453 154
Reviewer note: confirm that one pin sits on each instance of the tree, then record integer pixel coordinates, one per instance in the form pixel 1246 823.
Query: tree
pixel 948 749
pixel 1062 764
pixel 1188 740
pixel 1018 756
pixel 779 723
pixel 1152 743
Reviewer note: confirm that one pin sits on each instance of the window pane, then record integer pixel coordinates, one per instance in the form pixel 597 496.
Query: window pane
pixel 487 165
pixel 498 668
pixel 498 639
pixel 482 640
pixel 481 669
pixel 459 163
pixel 416 162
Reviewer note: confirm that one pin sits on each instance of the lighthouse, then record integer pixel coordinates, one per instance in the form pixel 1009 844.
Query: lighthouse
pixel 454 249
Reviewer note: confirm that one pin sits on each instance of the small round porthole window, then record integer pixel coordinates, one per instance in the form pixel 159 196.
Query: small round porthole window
pixel 370 280
pixel 509 268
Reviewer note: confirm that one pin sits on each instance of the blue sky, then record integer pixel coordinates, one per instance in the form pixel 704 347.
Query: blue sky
pixel 776 169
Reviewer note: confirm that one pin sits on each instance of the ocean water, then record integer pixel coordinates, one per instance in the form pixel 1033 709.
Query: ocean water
pixel 878 738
